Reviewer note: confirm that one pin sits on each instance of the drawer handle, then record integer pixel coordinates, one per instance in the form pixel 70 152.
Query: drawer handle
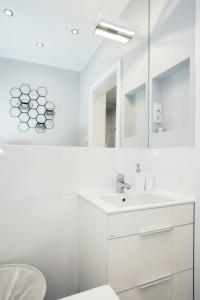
pixel 156 231
pixel 155 282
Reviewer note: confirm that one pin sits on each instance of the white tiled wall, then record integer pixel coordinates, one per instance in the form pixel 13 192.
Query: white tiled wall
pixel 38 205
pixel 174 168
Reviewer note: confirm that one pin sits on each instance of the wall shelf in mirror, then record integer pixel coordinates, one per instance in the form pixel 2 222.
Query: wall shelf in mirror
pixel 135 117
pixel 172 107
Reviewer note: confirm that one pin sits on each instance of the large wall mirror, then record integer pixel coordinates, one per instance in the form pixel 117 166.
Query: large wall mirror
pixel 171 73
pixel 114 73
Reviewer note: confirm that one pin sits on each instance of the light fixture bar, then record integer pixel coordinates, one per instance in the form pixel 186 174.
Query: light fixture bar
pixel 109 35
pixel 114 32
pixel 117 28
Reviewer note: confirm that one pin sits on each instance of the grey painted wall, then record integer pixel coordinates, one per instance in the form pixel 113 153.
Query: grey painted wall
pixel 63 90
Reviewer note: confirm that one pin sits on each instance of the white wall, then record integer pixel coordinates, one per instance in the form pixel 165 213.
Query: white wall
pixel 197 137
pixel 135 118
pixel 63 90
pixel 174 168
pixel 38 205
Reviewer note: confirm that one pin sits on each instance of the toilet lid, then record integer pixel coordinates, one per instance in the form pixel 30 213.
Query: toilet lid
pixel 104 292
pixel 21 282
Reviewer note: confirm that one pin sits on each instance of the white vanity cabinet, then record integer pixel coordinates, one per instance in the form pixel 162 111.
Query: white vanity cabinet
pixel 177 287
pixel 143 254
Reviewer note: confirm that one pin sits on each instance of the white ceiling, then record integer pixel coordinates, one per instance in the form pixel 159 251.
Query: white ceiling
pixel 50 21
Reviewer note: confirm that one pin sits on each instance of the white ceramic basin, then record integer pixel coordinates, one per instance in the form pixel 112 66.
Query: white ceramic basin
pixel 134 199
pixel 111 202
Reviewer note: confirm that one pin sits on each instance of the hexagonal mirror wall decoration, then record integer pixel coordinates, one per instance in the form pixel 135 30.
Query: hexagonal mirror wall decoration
pixel 32 108
pixel 15 92
pixel 42 91
pixel 15 102
pixel 25 89
pixel 33 95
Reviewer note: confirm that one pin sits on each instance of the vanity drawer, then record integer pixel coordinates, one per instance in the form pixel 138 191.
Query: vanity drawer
pixel 136 259
pixel 135 222
pixel 176 287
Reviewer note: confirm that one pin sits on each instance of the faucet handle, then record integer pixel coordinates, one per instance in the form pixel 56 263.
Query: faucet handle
pixel 120 177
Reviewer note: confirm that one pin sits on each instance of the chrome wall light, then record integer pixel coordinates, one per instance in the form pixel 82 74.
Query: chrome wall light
pixel 114 32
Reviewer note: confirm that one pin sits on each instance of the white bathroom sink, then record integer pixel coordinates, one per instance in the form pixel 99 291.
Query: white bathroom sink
pixel 134 199
pixel 111 202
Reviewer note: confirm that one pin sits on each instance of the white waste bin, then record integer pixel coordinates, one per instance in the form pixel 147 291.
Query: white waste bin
pixel 21 282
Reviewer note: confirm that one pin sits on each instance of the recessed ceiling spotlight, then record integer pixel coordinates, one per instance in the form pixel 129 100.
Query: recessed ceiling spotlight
pixel 75 31
pixel 40 45
pixel 8 12
pixel 114 32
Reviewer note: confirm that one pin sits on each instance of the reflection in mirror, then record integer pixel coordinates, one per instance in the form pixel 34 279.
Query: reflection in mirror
pixel 104 126
pixel 171 76
pixel 111 117
pixel 135 121
pixel 74 73
pixel 135 80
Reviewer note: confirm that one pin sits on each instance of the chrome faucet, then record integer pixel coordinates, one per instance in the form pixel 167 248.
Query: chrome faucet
pixel 121 185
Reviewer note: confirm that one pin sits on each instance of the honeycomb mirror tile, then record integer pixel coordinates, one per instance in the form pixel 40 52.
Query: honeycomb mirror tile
pixel 32 108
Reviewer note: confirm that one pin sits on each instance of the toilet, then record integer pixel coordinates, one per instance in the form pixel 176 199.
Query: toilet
pixel 101 293
pixel 18 281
